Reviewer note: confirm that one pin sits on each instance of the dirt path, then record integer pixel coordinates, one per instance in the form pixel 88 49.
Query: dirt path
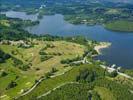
pixel 56 88
pixel 39 81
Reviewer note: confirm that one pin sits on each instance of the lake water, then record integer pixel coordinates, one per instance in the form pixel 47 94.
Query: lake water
pixel 21 15
pixel 119 53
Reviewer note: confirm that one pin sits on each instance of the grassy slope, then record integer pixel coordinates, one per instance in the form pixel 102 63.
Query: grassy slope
pixel 123 26
pixel 129 72
pixel 26 81
pixel 22 81
pixel 51 83
pixel 32 55
pixel 104 93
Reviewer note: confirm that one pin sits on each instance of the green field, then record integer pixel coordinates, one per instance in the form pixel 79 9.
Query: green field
pixel 59 50
pixel 122 26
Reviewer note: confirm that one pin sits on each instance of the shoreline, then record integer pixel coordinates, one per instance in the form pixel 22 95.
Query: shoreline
pixel 100 46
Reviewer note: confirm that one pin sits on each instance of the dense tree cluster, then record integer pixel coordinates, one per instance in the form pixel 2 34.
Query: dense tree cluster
pixel 86 76
pixel 77 39
pixel 48 37
pixel 12 84
pixel 12 29
pixel 70 92
pixel 68 61
pixel 86 88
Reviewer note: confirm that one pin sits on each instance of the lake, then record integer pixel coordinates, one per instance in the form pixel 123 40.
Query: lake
pixel 119 53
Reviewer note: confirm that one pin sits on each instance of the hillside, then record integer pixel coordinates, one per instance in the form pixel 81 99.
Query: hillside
pixel 122 26
pixel 23 55
pixel 40 58
pixel 45 67
pixel 86 80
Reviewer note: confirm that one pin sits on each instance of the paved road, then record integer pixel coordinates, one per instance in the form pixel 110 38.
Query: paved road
pixel 110 69
pixel 84 60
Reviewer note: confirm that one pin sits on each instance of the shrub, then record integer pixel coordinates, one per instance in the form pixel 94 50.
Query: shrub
pixel 44 58
pixel 14 52
pixel 3 56
pixel 53 70
pixel 17 62
pixel 113 74
pixel 25 67
pixel 3 74
pixel 12 84
pixel 68 61
pixel 48 74
pixel 42 53
pixel 37 68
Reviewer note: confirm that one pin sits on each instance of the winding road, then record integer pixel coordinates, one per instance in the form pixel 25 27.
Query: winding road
pixel 110 69
pixel 84 60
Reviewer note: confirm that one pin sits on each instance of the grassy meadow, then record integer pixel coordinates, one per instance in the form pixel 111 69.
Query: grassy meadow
pixel 58 50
